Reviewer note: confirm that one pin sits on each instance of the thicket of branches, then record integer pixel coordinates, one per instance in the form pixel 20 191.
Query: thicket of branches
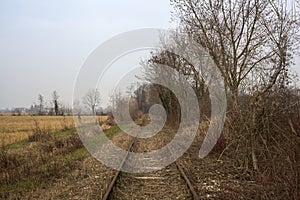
pixel 253 44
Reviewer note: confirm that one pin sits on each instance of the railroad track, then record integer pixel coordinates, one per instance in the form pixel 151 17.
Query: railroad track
pixel 168 183
pixel 111 185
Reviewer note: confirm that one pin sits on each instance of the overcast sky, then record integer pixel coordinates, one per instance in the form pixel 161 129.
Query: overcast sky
pixel 43 43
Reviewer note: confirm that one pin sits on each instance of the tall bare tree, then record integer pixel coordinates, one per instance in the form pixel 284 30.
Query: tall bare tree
pixel 119 103
pixel 41 104
pixel 92 100
pixel 55 102
pixel 195 74
pixel 243 36
pixel 248 40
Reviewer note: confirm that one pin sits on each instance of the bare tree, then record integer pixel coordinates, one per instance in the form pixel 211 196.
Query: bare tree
pixel 119 104
pixel 248 40
pixel 243 36
pixel 194 74
pixel 77 108
pixel 92 100
pixel 55 102
pixel 17 112
pixel 41 104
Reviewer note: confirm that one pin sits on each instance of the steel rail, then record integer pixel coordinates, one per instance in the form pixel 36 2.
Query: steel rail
pixel 112 183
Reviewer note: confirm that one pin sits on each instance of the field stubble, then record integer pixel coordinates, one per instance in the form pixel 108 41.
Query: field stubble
pixel 16 128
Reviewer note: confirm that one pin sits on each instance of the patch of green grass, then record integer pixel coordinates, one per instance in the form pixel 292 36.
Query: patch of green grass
pixel 78 154
pixel 30 183
pixel 67 133
pixel 17 145
pixel 110 132
pixel 38 180
pixel 123 126
pixel 97 139
pixel 115 129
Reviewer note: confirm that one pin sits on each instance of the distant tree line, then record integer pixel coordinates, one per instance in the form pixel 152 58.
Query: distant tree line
pixel 53 108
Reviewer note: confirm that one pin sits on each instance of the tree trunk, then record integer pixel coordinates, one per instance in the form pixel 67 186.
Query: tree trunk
pixel 255 129
pixel 253 154
pixel 235 101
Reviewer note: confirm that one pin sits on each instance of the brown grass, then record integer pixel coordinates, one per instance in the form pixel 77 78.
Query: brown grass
pixel 16 128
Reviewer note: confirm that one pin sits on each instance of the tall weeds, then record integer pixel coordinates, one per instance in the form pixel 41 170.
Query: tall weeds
pixel 276 142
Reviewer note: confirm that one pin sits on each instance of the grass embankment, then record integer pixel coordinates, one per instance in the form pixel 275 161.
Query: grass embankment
pixel 38 161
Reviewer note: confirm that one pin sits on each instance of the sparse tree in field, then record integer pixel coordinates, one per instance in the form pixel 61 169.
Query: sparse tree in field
pixel 62 109
pixel 41 104
pixel 17 112
pixel 67 109
pixel 92 100
pixel 77 108
pixel 55 102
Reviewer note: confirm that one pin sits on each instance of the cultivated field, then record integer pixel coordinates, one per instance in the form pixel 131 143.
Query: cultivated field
pixel 16 128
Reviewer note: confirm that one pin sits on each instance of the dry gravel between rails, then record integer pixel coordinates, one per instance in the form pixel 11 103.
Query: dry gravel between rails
pixel 166 183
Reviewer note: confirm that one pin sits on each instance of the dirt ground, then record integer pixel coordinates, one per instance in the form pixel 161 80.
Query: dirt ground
pixel 74 174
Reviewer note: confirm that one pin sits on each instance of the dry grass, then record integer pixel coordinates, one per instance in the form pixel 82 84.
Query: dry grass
pixel 16 128
pixel 54 168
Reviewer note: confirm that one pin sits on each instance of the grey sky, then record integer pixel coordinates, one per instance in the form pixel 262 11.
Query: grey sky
pixel 44 43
